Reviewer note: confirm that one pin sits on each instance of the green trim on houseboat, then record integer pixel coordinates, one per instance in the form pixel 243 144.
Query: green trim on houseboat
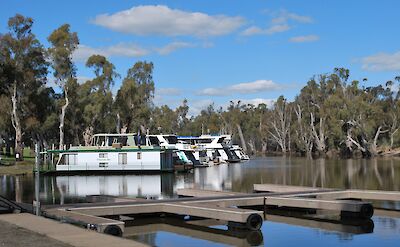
pixel 103 150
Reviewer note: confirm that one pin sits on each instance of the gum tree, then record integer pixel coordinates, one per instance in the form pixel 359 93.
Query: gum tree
pixel 24 70
pixel 64 42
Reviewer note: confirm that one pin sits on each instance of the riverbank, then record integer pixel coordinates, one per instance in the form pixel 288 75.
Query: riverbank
pixel 10 167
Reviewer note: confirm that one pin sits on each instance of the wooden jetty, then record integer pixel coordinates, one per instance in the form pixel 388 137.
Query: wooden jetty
pixel 237 210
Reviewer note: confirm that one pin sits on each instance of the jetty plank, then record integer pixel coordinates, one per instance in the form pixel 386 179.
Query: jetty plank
pixel 66 233
pixel 205 193
pixel 364 208
pixel 84 219
pixel 282 188
pixel 192 209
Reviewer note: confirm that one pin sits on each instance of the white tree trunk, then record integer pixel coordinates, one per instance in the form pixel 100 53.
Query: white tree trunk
pixel 62 117
pixel 319 137
pixel 18 149
pixel 242 140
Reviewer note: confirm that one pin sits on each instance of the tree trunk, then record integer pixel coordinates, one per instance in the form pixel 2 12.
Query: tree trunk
pixel 374 146
pixel 392 137
pixel 87 135
pixel 118 125
pixel 18 148
pixel 319 138
pixel 241 137
pixel 62 117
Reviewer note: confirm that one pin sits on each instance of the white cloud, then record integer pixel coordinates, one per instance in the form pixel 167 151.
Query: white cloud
pixel 284 16
pixel 257 101
pixel 278 24
pixel 196 106
pixel 119 50
pixel 165 50
pixel 277 28
pixel 242 88
pixel 211 91
pixel 253 30
pixel 162 20
pixel 381 62
pixel 130 50
pixel 305 38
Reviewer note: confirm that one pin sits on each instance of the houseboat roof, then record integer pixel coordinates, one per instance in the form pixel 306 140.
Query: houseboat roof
pixel 126 134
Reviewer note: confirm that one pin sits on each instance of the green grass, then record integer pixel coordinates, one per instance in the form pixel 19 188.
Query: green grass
pixel 9 166
pixel 16 168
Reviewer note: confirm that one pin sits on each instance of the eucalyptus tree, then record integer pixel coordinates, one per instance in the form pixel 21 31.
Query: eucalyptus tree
pixel 134 99
pixel 96 96
pixel 24 70
pixel 281 122
pixel 64 43
pixel 234 119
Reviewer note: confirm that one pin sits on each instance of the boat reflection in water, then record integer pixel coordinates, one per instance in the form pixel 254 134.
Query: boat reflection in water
pixel 278 229
pixel 145 186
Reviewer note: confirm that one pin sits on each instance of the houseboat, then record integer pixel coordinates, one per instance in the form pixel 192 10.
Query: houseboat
pixel 218 147
pixel 190 153
pixel 117 152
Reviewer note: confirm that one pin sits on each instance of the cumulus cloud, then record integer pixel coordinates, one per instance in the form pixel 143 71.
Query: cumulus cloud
pixel 196 106
pixel 305 38
pixel 130 50
pixel 165 50
pixel 381 62
pixel 162 20
pixel 242 88
pixel 254 30
pixel 280 23
pixel 119 50
pixel 284 16
pixel 256 101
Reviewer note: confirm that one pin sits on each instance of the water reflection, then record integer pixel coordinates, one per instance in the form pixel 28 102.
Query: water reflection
pixel 382 174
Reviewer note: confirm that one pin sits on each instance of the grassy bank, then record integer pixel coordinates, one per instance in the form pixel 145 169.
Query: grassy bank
pixel 8 165
pixel 17 168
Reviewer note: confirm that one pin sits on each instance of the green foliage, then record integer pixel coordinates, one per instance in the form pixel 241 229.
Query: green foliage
pixel 331 113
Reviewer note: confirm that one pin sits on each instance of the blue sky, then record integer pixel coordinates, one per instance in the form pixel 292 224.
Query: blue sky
pixel 216 51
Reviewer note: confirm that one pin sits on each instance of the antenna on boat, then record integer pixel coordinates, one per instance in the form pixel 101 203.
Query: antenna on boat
pixel 202 129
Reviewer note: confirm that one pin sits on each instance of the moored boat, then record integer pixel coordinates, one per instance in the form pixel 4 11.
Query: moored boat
pixel 116 152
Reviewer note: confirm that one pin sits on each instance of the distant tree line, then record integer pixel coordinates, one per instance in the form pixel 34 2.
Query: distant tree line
pixel 331 115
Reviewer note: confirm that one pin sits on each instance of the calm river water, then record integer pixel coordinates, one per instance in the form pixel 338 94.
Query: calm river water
pixel 381 174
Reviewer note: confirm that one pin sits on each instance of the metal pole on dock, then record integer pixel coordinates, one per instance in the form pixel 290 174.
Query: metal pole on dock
pixel 37 181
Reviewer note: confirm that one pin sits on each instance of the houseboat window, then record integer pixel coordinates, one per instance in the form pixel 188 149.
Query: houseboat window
pixel 130 141
pixel 122 159
pixel 139 155
pixel 103 164
pixel 110 141
pixel 203 141
pixel 103 155
pixel 221 139
pixel 71 159
pixel 154 141
pixel 171 139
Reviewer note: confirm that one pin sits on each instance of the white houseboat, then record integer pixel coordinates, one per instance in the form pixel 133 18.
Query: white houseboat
pixel 218 147
pixel 187 152
pixel 116 152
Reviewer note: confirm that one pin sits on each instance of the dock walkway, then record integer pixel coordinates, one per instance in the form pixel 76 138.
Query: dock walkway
pixel 30 230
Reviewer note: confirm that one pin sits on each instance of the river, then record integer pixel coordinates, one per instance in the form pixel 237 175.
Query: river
pixel 374 174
